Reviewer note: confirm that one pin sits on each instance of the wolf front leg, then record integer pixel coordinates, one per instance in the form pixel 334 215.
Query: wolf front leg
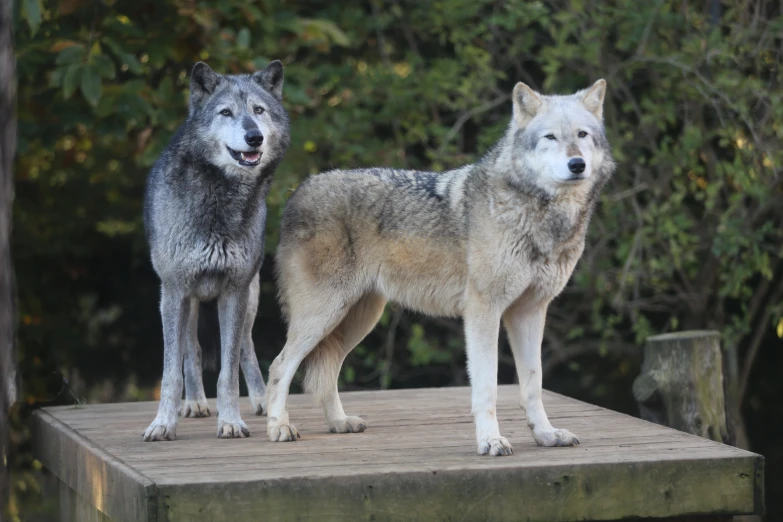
pixel 195 399
pixel 524 323
pixel 481 338
pixel 232 313
pixel 256 388
pixel 174 311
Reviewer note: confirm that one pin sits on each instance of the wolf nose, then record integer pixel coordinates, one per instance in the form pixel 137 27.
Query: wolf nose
pixel 254 138
pixel 576 165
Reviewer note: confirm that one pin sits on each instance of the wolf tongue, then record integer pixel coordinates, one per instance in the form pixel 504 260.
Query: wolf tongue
pixel 249 156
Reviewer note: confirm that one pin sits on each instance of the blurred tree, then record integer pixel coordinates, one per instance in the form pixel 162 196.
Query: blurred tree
pixel 7 298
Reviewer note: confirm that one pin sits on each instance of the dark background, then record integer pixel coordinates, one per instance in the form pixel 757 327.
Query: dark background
pixel 688 234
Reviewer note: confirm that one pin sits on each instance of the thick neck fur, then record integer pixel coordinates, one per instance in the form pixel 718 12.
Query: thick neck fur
pixel 216 201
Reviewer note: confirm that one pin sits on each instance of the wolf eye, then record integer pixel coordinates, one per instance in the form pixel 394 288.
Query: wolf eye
pixel 258 110
pixel 550 136
pixel 582 134
pixel 225 112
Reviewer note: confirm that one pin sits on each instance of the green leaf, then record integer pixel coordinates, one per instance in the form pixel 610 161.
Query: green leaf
pixel 125 57
pixel 105 66
pixel 69 55
pixel 33 14
pixel 243 38
pixel 326 28
pixel 91 85
pixel 71 79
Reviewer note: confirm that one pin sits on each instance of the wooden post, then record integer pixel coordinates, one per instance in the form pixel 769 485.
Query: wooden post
pixel 681 384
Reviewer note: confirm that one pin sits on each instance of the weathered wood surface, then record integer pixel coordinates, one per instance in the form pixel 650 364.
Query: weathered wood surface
pixel 681 384
pixel 416 461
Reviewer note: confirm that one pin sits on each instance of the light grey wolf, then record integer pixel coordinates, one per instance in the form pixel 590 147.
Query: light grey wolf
pixel 492 242
pixel 204 214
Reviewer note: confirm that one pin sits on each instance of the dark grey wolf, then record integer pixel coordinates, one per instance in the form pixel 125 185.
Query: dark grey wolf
pixel 204 214
pixel 492 242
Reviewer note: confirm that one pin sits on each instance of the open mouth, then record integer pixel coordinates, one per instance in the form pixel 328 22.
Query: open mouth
pixel 249 158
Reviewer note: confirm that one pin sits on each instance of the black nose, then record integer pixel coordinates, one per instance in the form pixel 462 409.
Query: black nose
pixel 575 165
pixel 254 138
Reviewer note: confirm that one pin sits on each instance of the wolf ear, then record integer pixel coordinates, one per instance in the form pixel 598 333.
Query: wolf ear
pixel 593 98
pixel 271 79
pixel 526 103
pixel 203 82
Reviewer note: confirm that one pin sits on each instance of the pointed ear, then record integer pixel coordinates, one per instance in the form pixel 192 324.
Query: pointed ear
pixel 526 103
pixel 203 82
pixel 593 98
pixel 271 79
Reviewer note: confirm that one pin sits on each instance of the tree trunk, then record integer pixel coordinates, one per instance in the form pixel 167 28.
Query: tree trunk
pixel 681 385
pixel 7 301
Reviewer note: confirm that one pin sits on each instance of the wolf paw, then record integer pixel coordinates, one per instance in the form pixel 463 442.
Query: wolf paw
pixel 235 429
pixel 495 446
pixel 160 431
pixel 259 404
pixel 282 432
pixel 195 408
pixel 555 437
pixel 348 425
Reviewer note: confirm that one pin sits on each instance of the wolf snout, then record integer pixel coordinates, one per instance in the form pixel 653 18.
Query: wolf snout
pixel 254 138
pixel 576 165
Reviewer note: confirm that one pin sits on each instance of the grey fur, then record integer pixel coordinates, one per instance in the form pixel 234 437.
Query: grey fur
pixel 204 214
pixel 492 242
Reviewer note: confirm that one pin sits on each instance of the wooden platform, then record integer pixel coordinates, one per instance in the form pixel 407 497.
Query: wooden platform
pixel 416 461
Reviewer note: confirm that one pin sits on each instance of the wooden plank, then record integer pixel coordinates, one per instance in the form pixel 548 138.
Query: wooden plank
pixel 557 493
pixel 96 476
pixel 416 461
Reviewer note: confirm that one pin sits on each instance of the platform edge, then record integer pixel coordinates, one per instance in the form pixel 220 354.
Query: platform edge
pixel 107 483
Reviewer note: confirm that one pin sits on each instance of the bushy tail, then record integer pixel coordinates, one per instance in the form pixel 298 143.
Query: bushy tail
pixel 322 367
pixel 209 334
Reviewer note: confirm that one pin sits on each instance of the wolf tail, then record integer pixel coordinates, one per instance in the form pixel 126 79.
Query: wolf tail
pixel 209 334
pixel 323 366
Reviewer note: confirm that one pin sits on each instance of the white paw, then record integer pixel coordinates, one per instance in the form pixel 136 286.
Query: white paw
pixel 495 446
pixel 259 403
pixel 195 408
pixel 282 432
pixel 348 425
pixel 160 431
pixel 555 437
pixel 232 429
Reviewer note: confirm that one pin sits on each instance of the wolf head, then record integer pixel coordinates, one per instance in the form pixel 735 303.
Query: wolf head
pixel 560 140
pixel 240 123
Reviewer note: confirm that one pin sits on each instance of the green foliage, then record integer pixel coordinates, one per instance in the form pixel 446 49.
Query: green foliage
pixel 688 235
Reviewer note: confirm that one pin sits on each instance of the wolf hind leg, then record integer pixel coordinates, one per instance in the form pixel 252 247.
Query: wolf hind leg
pixel 325 361
pixel 256 388
pixel 309 324
pixel 195 404
pixel 525 327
